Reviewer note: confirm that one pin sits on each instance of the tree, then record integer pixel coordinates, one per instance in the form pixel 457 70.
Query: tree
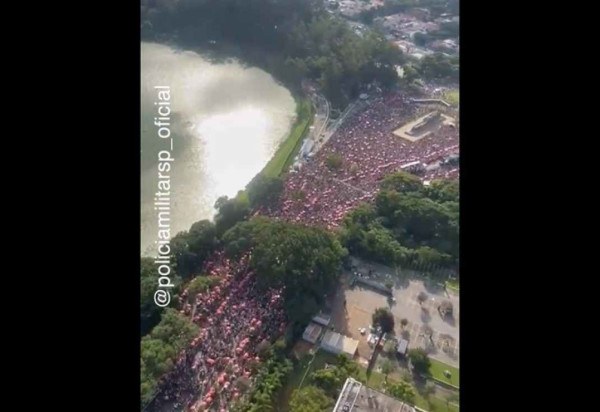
pixel 330 379
pixel 420 38
pixel 402 182
pixel 263 349
pixel 310 399
pixel 230 211
pixel 422 297
pixel 306 261
pixel 149 311
pixel 428 389
pixel 387 367
pixel 200 284
pixel 384 319
pixel 334 161
pixel 390 347
pixel 160 347
pixel 264 190
pixel 403 322
pixel 427 331
pixel 190 249
pixel 446 308
pixel 402 390
pixel 419 360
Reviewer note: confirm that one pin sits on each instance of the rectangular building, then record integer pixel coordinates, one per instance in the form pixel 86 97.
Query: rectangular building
pixel 312 332
pixel 336 343
pixel 356 397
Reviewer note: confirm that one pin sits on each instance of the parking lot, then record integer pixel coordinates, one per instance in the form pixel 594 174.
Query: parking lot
pixel 425 328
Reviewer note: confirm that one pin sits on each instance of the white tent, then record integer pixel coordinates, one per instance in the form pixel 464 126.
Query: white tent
pixel 335 343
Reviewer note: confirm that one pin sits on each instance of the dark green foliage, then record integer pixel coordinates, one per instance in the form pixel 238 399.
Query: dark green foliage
pixel 270 379
pixel 402 390
pixel 231 211
pixel 332 378
pixel 297 39
pixel 383 318
pixel 201 284
pixel 189 249
pixel 334 161
pixel 420 361
pixel 304 260
pixel 264 190
pixel 439 66
pixel 149 311
pixel 310 399
pixel 409 224
pixel 160 348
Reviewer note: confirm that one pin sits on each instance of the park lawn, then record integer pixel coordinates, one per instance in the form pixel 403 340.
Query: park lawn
pixel 296 375
pixel 433 404
pixel 452 97
pixel 452 284
pixel 284 156
pixel 437 369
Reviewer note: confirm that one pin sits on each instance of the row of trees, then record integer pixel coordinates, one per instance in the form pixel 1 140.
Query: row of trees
pixel 324 386
pixel 306 261
pixel 271 377
pixel 408 224
pixel 439 66
pixel 191 248
pixel 160 348
pixel 292 39
pixel 149 311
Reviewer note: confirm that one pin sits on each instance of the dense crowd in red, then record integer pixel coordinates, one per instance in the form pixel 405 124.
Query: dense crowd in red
pixel 234 318
pixel 369 151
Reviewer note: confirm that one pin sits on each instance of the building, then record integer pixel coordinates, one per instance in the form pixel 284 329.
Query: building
pixel 336 343
pixel 312 332
pixel 402 347
pixel 356 397
pixel 322 319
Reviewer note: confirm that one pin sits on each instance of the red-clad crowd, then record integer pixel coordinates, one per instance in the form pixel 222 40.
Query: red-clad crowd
pixel 369 151
pixel 234 318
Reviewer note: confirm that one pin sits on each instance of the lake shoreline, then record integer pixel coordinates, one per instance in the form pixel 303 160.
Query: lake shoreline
pixel 276 164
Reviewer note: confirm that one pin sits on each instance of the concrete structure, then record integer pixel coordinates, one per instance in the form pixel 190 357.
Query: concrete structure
pixel 306 148
pixel 312 332
pixel 335 343
pixel 423 126
pixel 322 319
pixel 402 347
pixel 356 397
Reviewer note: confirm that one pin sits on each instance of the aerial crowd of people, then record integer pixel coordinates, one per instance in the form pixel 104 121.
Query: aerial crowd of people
pixel 322 195
pixel 234 318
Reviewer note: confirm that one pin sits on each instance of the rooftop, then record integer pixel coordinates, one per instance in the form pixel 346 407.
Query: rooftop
pixel 312 332
pixel 356 397
pixel 337 343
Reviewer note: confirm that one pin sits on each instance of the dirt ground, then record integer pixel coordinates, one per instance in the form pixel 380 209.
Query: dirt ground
pixel 362 302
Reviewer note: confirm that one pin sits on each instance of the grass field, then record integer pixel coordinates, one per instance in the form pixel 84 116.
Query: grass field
pixel 285 154
pixel 293 382
pixel 452 284
pixel 452 97
pixel 437 369
pixel 432 404
pixel 375 381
